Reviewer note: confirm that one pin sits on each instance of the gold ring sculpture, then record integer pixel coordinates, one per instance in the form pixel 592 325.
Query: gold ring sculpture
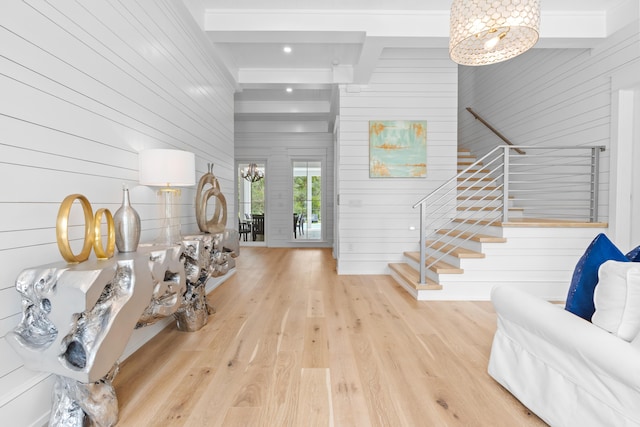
pixel 97 235
pixel 62 229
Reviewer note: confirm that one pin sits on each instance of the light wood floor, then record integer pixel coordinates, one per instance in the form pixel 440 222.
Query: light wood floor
pixel 294 344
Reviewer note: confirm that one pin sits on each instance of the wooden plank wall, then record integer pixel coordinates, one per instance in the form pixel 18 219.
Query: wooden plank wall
pixel 548 97
pixel 84 87
pixel 278 150
pixel 375 214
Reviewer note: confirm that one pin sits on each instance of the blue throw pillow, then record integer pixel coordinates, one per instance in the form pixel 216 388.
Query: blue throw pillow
pixel 634 254
pixel 585 275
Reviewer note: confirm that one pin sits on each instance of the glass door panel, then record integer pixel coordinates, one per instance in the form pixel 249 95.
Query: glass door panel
pixel 307 200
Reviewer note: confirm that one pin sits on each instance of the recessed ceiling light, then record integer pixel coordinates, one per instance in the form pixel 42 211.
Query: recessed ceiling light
pixel 289 89
pixel 287 49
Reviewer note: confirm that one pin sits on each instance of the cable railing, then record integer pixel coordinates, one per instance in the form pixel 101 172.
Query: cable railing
pixel 558 183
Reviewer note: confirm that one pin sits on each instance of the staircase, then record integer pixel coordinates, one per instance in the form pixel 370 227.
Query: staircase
pixel 476 250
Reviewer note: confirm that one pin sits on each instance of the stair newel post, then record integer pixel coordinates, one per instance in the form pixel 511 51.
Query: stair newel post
pixel 423 245
pixel 595 176
pixel 505 183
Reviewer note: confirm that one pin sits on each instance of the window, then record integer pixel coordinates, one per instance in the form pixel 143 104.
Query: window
pixel 307 200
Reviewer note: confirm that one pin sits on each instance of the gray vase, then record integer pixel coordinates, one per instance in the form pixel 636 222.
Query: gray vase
pixel 127 224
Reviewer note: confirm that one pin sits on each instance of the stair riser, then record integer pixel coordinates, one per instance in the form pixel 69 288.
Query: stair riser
pixel 519 262
pixel 474 246
pixel 476 181
pixel 478 228
pixel 488 214
pixel 464 192
pixel 475 170
pixel 500 277
pixel 505 269
pixel 479 203
pixel 584 234
pixel 430 274
pixel 449 259
pixel 481 291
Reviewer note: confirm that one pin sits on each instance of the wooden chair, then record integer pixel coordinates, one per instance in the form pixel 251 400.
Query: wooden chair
pixel 243 230
pixel 301 224
pixel 257 226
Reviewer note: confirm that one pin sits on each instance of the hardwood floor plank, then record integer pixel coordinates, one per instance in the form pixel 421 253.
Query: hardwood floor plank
pixel 316 346
pixel 282 398
pixel 245 416
pixel 176 410
pixel 294 344
pixel 315 304
pixel 314 400
pixel 349 402
pixel 150 388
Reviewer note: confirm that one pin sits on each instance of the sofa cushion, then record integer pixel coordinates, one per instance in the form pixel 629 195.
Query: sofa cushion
pixel 585 275
pixel 617 299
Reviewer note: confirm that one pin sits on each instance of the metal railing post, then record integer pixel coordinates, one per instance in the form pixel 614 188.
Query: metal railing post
pixel 595 178
pixel 505 184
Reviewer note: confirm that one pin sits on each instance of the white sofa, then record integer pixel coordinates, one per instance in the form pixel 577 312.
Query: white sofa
pixel 565 369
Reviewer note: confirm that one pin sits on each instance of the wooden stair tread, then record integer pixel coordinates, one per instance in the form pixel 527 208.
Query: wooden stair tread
pixel 481 238
pixel 412 277
pixel 458 252
pixel 439 267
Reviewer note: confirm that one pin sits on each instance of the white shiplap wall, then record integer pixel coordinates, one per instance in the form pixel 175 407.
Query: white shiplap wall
pixel 84 87
pixel 375 214
pixel 278 150
pixel 548 97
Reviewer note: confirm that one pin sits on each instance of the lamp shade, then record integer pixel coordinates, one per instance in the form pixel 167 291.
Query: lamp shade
pixel 167 168
pixel 488 31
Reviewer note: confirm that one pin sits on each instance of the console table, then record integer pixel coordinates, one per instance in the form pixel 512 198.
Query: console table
pixel 78 318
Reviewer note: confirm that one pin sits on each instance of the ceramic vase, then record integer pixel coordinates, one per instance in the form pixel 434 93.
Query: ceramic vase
pixel 127 224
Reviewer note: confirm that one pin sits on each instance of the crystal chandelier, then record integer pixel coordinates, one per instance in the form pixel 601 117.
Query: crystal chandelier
pixel 252 173
pixel 484 32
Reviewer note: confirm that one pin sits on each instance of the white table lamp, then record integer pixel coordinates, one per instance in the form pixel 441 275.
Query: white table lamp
pixel 168 169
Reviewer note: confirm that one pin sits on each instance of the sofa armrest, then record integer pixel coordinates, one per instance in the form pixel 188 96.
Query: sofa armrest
pixel 564 340
pixel 565 369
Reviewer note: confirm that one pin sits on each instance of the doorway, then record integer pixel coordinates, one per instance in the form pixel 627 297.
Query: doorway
pixel 307 200
pixel 251 202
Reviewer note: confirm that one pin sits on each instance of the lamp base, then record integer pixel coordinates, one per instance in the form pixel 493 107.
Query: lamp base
pixel 170 228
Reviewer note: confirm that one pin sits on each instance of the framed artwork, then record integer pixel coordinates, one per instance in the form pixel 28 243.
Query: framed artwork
pixel 397 148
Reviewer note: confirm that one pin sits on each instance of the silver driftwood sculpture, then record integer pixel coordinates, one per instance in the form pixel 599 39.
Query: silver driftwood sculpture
pixel 78 318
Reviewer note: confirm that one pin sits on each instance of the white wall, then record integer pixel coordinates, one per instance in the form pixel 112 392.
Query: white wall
pixel 278 150
pixel 548 97
pixel 85 86
pixel 375 214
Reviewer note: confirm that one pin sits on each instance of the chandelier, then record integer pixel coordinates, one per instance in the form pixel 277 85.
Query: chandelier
pixel 484 32
pixel 252 173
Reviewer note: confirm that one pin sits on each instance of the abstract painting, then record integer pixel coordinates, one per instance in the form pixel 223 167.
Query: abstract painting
pixel 397 148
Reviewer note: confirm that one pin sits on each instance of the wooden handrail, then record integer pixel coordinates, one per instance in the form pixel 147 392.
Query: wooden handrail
pixel 494 130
